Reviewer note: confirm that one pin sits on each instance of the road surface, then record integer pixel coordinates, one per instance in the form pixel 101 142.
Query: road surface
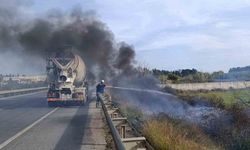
pixel 26 123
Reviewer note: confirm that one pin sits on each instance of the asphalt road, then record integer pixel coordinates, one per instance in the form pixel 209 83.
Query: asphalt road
pixel 26 123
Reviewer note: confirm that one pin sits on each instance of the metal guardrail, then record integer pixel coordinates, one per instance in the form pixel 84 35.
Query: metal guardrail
pixel 20 91
pixel 118 142
pixel 123 133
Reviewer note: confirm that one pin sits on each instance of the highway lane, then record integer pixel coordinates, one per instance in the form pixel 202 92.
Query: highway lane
pixel 66 128
pixel 20 111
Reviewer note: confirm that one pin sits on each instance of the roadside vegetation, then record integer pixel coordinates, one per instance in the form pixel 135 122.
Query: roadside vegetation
pixel 195 76
pixel 235 102
pixel 224 99
pixel 165 133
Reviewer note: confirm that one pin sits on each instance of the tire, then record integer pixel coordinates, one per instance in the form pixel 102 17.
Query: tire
pixel 51 104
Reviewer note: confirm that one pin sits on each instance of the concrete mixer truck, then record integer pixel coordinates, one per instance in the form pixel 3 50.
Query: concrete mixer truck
pixel 66 76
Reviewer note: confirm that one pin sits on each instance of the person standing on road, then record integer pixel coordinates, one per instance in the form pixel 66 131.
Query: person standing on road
pixel 99 92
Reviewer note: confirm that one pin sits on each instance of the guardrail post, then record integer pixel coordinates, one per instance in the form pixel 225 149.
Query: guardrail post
pixel 115 115
pixel 117 140
pixel 123 131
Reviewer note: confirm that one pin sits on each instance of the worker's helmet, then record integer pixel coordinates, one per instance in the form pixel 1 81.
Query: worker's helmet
pixel 102 81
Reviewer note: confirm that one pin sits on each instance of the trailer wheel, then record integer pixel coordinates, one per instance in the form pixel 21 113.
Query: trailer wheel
pixel 86 99
pixel 51 104
pixel 83 103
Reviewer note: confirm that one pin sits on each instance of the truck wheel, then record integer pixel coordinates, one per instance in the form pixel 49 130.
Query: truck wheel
pixel 51 104
pixel 80 103
pixel 86 99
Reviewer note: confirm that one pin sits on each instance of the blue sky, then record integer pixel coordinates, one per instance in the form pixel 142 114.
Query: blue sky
pixel 208 35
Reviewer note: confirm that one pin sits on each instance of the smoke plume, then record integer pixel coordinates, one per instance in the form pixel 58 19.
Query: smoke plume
pixel 125 58
pixel 43 36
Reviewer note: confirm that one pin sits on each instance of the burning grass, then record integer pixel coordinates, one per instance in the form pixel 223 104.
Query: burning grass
pixel 230 130
pixel 235 135
pixel 164 133
pixel 168 134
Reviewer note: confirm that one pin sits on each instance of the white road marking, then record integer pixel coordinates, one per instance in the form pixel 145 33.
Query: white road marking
pixel 26 129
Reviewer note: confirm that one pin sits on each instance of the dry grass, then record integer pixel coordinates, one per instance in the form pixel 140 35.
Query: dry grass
pixel 235 136
pixel 165 134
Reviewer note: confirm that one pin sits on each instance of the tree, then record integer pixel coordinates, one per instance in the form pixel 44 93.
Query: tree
pixel 218 75
pixel 173 77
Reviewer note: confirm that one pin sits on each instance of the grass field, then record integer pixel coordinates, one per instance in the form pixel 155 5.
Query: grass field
pixel 223 99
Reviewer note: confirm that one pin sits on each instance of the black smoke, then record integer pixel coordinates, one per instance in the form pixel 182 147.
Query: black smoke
pixel 45 35
pixel 10 22
pixel 125 59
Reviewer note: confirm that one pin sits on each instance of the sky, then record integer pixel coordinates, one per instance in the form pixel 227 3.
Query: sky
pixel 208 35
